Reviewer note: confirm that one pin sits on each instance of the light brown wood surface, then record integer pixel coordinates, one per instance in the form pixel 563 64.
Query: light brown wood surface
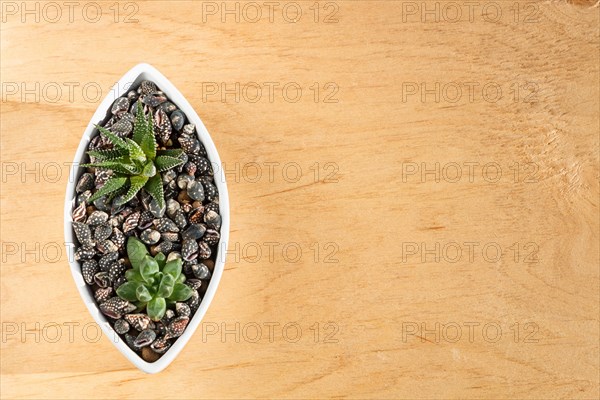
pixel 386 304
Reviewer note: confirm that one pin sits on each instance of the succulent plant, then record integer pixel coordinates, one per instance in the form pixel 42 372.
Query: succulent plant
pixel 153 283
pixel 135 163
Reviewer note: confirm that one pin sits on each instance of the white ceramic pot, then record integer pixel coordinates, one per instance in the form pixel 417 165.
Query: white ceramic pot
pixel 132 79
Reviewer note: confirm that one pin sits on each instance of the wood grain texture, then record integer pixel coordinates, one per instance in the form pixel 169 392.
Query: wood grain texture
pixel 389 304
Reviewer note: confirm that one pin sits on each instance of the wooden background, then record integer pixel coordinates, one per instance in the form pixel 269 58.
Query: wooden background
pixel 390 301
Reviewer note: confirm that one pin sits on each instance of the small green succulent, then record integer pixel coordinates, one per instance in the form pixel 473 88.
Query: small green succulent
pixel 153 283
pixel 135 162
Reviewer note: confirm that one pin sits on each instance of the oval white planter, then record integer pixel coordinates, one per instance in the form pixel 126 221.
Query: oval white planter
pixel 131 79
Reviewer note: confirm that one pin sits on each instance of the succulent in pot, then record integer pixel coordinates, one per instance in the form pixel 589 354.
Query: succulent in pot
pixel 153 282
pixel 148 215
pixel 134 162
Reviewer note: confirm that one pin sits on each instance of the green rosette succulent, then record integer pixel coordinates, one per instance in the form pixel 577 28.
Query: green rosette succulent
pixel 135 162
pixel 153 283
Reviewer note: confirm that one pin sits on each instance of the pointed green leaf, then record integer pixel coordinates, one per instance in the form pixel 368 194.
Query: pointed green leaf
pixel 143 132
pixel 148 268
pixel 135 151
pixel 136 183
pixel 122 165
pixel 149 169
pixel 170 152
pixel 106 155
pixel 180 279
pixel 181 292
pixel 148 144
pixel 133 275
pixel 164 163
pixel 112 184
pixel 173 268
pixel 117 141
pixel 136 251
pixel 142 293
pixel 156 308
pixel 111 196
pixel 127 291
pixel 166 286
pixel 139 128
pixel 161 259
pixel 139 166
pixel 157 278
pixel 155 188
